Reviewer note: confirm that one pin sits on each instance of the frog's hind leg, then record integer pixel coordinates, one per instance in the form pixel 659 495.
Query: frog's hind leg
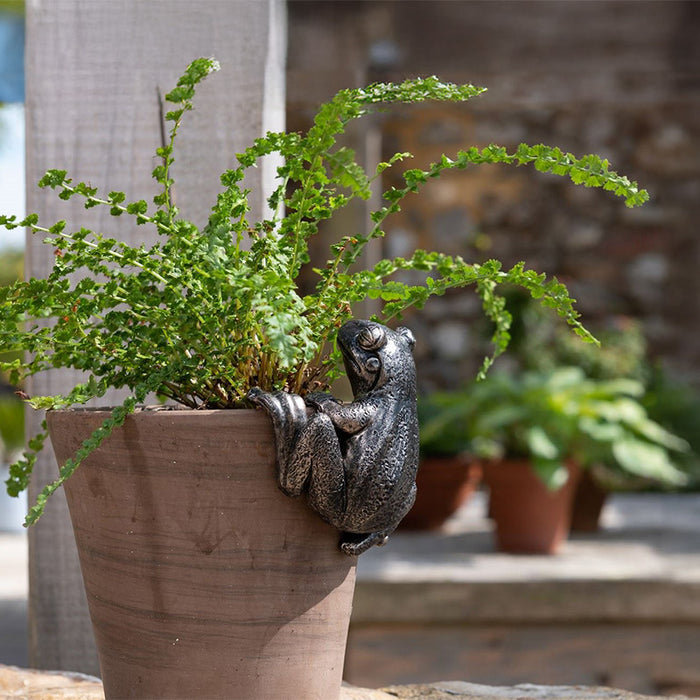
pixel 289 418
pixel 308 453
pixel 354 544
pixel 319 461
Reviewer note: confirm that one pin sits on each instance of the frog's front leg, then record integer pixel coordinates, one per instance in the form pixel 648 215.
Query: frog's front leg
pixel 308 452
pixel 349 418
pixel 289 420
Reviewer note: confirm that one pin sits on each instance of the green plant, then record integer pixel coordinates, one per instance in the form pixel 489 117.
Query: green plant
pixel 675 404
pixel 201 316
pixel 444 428
pixel 539 343
pixel 11 266
pixel 14 6
pixel 11 427
pixel 11 408
pixel 549 417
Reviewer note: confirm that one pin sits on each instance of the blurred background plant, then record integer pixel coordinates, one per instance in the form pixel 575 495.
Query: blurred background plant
pixel 552 400
pixel 553 416
pixel 540 345
pixel 11 407
pixel 445 428
pixel 11 427
pixel 12 510
pixel 553 444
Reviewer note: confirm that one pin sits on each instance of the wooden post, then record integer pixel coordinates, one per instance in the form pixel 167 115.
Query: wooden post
pixel 94 74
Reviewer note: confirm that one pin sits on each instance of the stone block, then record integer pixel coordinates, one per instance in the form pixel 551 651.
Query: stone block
pixel 43 685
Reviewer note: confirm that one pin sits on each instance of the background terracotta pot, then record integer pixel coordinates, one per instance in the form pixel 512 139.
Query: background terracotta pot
pixel 529 518
pixel 203 579
pixel 589 500
pixel 444 484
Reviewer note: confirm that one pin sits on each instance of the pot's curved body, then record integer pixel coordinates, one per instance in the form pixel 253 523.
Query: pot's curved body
pixel 530 519
pixel 203 580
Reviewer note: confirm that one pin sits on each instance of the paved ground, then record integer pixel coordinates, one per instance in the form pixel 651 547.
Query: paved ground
pixel 643 537
pixel 13 598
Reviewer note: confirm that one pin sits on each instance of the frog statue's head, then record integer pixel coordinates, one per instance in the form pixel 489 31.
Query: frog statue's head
pixel 376 356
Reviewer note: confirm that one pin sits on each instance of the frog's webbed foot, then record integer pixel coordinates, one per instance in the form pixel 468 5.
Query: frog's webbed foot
pixel 288 414
pixel 353 544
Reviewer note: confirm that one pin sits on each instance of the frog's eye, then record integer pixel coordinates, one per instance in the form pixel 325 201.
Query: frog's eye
pixel 371 338
pixel 373 364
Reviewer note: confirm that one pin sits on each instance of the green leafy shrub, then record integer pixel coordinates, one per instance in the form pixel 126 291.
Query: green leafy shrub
pixel 539 343
pixel 446 426
pixel 11 265
pixel 11 427
pixel 201 316
pixel 676 405
pixel 550 417
pixel 11 408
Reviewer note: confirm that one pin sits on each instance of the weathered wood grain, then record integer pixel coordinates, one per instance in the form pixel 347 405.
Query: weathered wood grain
pixel 93 72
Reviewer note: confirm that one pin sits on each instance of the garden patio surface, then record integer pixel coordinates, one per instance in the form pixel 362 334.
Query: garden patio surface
pixel 643 537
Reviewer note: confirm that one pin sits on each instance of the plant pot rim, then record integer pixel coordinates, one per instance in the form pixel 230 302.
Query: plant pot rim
pixel 151 408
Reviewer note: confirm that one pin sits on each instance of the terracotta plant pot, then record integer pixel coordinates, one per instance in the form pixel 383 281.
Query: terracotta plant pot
pixel 589 499
pixel 444 484
pixel 529 518
pixel 203 580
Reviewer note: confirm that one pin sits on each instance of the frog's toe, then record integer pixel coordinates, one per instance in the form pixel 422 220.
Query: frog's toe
pixel 353 544
pixel 288 411
pixel 350 548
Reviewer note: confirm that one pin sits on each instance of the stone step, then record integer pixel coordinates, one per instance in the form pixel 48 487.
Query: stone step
pixel 44 685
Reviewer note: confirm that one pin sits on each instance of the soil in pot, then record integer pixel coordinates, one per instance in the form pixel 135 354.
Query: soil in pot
pixel 203 579
pixel 529 518
pixel 444 485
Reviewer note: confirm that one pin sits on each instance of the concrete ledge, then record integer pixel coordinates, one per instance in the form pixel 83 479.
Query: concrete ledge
pixel 43 685
pixel 642 567
pixel 554 601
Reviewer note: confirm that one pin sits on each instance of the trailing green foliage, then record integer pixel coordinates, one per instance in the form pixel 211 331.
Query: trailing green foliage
pixel 201 316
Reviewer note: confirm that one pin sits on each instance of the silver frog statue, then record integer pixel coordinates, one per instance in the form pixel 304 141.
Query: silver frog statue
pixel 357 462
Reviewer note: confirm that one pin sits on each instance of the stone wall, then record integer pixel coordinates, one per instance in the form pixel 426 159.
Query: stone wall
pixel 618 78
